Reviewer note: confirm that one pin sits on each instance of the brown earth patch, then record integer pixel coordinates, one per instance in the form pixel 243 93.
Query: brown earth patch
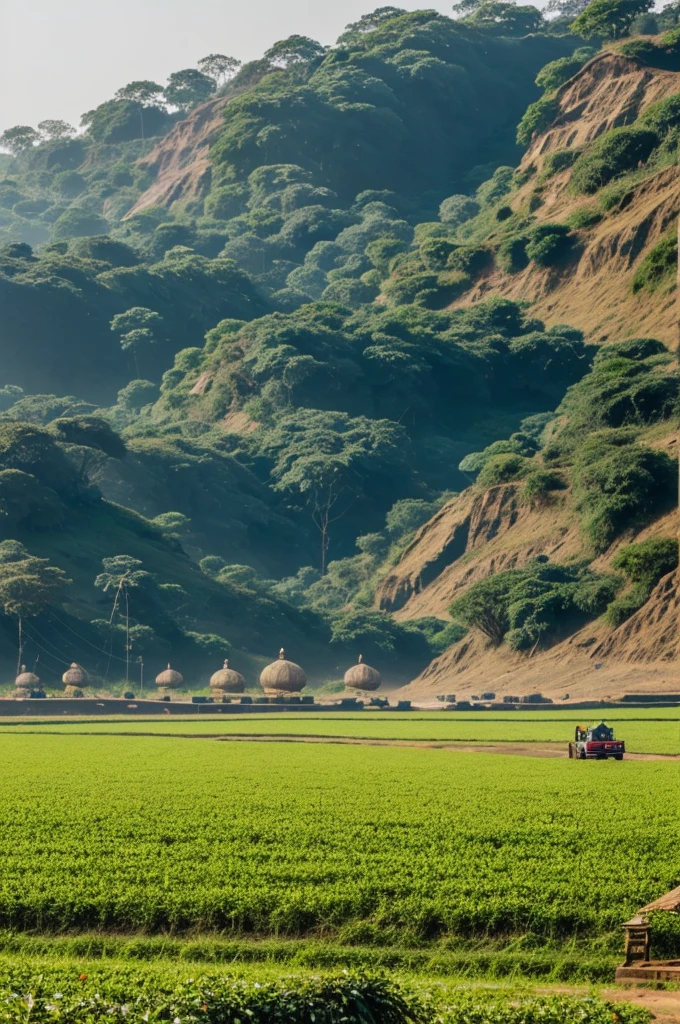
pixel 594 292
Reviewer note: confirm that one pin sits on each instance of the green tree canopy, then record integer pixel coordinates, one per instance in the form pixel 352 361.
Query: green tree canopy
pixel 503 18
pixel 293 50
pixel 188 88
pixel 611 19
pixel 19 138
pixel 219 66
pixel 29 584
pixel 50 130
pixel 143 91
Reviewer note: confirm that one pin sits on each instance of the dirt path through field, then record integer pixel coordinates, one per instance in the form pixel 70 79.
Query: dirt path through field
pixel 529 749
pixel 664 1005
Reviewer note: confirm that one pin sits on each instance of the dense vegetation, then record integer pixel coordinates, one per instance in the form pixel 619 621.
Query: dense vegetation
pixel 59 994
pixel 257 390
pixel 380 846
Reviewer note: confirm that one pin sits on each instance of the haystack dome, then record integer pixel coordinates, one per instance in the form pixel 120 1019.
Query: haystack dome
pixel 75 676
pixel 227 680
pixel 168 679
pixel 283 676
pixel 362 676
pixel 26 680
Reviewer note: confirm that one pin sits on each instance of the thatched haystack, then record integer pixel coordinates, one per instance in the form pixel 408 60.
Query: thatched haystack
pixel 169 679
pixel 25 682
pixel 282 677
pixel 227 681
pixel 74 678
pixel 362 677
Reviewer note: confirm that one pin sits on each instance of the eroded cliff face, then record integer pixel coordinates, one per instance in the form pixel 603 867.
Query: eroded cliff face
pixel 499 532
pixel 180 162
pixel 473 536
pixel 594 291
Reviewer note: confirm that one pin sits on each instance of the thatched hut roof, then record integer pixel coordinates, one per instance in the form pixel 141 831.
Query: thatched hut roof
pixel 168 678
pixel 227 680
pixel 283 676
pixel 670 901
pixel 26 680
pixel 75 675
pixel 362 676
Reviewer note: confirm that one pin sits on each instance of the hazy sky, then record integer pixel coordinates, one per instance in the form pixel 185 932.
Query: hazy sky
pixel 62 57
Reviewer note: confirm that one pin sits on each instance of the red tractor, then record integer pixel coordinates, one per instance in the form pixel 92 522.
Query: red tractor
pixel 596 744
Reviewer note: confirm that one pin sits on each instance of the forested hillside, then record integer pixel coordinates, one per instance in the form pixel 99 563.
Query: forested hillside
pixel 267 367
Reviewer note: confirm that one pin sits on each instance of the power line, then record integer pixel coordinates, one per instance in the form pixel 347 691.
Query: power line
pixel 49 643
pixel 85 640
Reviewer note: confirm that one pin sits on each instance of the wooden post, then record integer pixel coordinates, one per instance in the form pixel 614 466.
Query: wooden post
pixel 637 939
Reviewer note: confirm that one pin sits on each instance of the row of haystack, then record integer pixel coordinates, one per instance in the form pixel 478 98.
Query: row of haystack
pixel 281 677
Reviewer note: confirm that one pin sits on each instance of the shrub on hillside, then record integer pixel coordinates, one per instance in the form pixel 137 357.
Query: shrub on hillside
pixel 659 265
pixel 537 117
pixel 457 209
pixel 548 244
pixel 522 607
pixel 643 565
pixel 559 71
pixel 584 217
pixel 558 161
pixel 470 259
pixel 501 469
pixel 539 485
pixel 618 485
pixel 614 153
pixel 511 255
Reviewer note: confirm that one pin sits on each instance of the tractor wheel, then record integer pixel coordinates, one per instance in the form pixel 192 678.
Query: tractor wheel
pixel 582 755
pixel 618 757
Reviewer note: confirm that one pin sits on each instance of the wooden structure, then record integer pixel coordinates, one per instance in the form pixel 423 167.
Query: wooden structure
pixel 638 967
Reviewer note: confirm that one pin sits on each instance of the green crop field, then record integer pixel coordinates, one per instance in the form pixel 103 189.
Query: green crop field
pixel 362 843
pixel 654 731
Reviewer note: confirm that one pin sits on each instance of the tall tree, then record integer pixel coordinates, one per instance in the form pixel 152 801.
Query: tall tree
pixel 143 92
pixel 121 574
pixel 293 50
pixel 506 19
pixel 370 22
pixel 50 130
pixel 610 19
pixel 219 67
pixel 137 328
pixel 27 585
pixel 188 88
pixel 19 139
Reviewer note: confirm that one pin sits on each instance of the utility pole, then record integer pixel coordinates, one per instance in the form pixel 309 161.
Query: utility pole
pixel 127 637
pixel 21 647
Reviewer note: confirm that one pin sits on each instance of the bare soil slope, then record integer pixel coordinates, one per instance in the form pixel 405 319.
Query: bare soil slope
pixel 180 162
pixel 594 292
pixel 475 535
pixel 480 533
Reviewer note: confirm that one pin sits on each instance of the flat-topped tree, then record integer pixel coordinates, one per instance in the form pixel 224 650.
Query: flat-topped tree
pixel 219 66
